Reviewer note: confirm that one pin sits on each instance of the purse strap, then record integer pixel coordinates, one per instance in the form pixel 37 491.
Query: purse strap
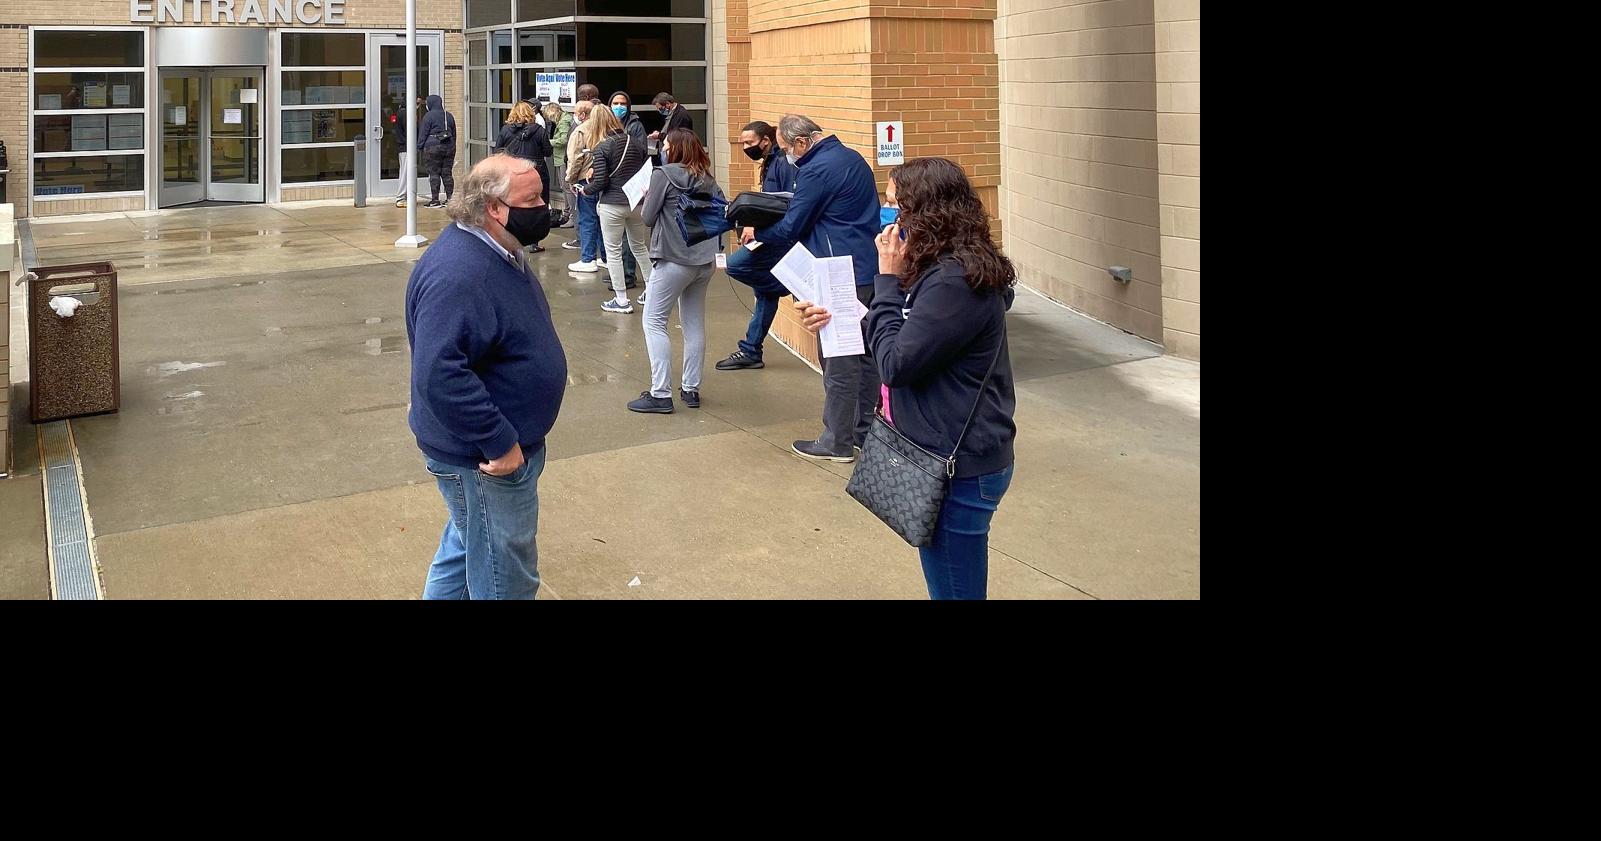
pixel 950 463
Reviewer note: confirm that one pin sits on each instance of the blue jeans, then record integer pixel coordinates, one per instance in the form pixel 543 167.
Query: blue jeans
pixel 487 550
pixel 956 564
pixel 755 269
pixel 589 229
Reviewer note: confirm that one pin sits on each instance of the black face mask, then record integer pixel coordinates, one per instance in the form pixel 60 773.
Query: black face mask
pixel 528 224
pixel 754 152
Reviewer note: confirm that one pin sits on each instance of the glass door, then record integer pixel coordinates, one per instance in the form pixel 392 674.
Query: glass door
pixel 387 111
pixel 182 141
pixel 235 135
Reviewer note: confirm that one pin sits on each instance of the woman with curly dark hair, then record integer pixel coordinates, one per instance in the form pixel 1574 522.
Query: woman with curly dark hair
pixel 936 327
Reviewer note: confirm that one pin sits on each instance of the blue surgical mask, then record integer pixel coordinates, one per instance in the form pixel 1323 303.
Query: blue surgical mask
pixel 887 215
pixel 665 112
pixel 620 110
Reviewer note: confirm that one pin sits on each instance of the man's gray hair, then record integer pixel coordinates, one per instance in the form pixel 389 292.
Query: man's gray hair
pixel 490 179
pixel 793 127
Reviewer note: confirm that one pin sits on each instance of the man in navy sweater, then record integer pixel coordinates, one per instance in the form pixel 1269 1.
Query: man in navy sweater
pixel 487 377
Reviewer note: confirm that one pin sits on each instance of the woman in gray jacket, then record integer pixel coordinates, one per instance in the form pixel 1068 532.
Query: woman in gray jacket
pixel 680 272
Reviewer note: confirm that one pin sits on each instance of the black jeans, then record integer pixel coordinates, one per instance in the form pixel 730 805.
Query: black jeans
pixel 440 160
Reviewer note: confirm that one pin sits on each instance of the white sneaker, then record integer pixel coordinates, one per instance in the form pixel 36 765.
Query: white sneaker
pixel 581 266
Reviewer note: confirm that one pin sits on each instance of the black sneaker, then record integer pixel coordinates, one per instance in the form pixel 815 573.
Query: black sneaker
pixel 816 452
pixel 572 246
pixel 739 360
pixel 690 398
pixel 652 405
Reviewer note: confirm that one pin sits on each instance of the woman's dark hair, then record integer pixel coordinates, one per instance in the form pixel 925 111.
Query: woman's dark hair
pixel 684 147
pixel 762 129
pixel 941 214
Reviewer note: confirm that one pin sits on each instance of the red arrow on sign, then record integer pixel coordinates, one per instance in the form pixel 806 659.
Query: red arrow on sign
pixel 889 132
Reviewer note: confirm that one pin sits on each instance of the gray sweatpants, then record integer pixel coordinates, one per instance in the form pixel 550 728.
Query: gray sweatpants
pixel 850 392
pixel 620 227
pixel 686 285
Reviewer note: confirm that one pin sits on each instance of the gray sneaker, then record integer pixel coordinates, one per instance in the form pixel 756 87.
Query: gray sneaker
pixel 816 452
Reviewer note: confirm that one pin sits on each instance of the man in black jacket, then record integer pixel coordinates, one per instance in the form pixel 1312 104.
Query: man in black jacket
pixel 676 116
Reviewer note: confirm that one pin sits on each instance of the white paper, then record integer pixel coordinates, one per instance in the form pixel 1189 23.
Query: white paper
pixel 753 245
pixel 49 102
pixel 795 272
pixel 233 116
pixel 121 95
pixel 545 86
pixel 180 115
pixel 638 186
pixel 722 260
pixel 65 307
pixel 836 283
pixel 247 95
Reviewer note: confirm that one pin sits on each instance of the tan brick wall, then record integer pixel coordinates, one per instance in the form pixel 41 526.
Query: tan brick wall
pixel 60 207
pixel 1178 152
pixel 14 108
pixel 717 135
pixel 849 64
pixel 17 15
pixel 742 173
pixel 332 191
pixel 1079 155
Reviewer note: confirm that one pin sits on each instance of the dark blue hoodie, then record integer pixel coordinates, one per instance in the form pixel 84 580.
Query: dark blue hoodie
pixel 835 209
pixel 437 121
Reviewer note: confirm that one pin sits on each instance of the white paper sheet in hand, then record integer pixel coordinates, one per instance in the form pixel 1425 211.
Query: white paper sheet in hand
pixel 836 283
pixel 638 186
pixel 795 271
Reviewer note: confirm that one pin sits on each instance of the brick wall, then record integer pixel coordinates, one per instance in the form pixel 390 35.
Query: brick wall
pixel 1178 155
pixel 1079 154
pixel 849 64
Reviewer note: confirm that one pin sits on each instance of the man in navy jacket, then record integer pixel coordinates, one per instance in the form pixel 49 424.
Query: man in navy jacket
pixel 834 214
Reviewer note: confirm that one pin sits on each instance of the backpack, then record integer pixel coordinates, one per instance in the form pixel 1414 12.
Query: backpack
pixel 522 143
pixel 702 216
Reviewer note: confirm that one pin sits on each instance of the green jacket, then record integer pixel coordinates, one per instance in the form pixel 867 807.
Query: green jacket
pixel 558 138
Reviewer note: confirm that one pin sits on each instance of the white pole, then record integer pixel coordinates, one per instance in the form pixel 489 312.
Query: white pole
pixel 411 239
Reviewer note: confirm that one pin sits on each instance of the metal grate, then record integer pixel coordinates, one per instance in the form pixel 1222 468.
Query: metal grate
pixel 72 566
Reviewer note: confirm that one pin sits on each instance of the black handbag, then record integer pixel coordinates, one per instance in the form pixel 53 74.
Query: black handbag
pixel 904 484
pixel 757 210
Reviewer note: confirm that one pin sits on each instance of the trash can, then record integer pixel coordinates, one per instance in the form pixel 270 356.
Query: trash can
pixel 72 347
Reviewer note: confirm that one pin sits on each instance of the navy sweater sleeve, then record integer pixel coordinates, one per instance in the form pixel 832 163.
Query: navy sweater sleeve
pixel 456 331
